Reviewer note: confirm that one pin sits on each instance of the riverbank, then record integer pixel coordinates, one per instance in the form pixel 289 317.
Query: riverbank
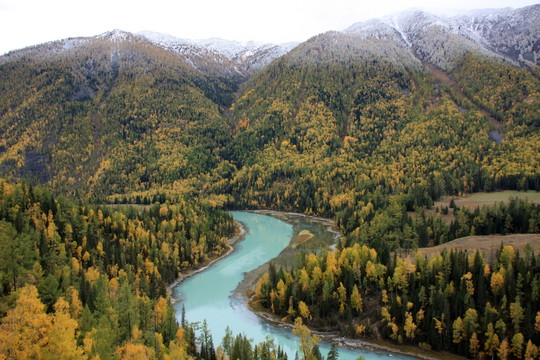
pixel 238 236
pixel 245 290
pixel 285 216
pixel 322 237
pixel 357 344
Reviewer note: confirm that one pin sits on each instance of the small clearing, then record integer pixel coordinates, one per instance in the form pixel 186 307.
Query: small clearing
pixel 477 200
pixel 472 201
pixel 486 244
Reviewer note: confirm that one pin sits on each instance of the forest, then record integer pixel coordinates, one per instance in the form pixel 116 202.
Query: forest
pixel 83 280
pixel 366 141
pixel 454 301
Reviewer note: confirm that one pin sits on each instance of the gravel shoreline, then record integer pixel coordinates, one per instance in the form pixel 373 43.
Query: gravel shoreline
pixel 355 344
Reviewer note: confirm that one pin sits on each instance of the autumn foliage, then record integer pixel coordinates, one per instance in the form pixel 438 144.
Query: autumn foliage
pixel 453 301
pixel 89 281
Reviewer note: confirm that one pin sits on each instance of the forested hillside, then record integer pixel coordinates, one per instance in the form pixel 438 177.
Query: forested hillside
pixel 113 115
pixel 92 280
pixel 365 141
pixel 454 301
pixel 366 126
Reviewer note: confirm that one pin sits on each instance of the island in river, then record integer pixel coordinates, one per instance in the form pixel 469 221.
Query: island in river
pixel 214 295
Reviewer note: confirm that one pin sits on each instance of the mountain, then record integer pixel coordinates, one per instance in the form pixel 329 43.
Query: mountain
pixel 504 34
pixel 109 111
pixel 404 108
pixel 137 116
pixel 214 56
pixel 86 113
pixel 244 58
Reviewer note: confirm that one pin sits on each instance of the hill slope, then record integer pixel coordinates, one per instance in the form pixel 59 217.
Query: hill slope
pixel 399 109
pixel 362 110
pixel 108 114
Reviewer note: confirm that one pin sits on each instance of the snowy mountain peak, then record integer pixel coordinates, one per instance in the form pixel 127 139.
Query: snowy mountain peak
pixel 398 22
pixel 160 38
pixel 116 35
pixel 508 33
pixel 246 57
pixel 228 48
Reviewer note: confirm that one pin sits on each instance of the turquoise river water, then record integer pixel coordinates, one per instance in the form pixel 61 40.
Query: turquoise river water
pixel 208 294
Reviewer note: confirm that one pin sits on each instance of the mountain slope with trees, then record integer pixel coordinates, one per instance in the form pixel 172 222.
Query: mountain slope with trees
pixel 365 126
pixel 338 127
pixel 111 115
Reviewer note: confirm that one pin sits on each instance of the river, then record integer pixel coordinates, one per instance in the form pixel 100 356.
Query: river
pixel 208 294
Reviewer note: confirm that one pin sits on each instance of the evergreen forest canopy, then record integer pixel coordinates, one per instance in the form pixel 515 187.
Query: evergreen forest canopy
pixel 334 128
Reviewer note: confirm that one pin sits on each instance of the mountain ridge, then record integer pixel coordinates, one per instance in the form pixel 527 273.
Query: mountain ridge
pixel 515 36
pixel 139 117
pixel 218 56
pixel 248 55
pixel 508 33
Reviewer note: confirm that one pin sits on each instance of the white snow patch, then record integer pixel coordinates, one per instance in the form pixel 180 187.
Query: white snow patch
pixel 71 43
pixel 115 35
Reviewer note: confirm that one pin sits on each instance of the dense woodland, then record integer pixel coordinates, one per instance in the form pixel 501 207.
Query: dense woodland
pixel 92 281
pixel 111 120
pixel 454 301
pixel 363 139
pixel 366 152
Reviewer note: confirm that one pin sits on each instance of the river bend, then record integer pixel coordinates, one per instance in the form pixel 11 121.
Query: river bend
pixel 208 294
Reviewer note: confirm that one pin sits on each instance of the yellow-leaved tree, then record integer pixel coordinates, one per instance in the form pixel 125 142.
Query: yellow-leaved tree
pixel 27 332
pixel 62 342
pixel 304 310
pixel 132 351
pixel 25 329
pixel 307 341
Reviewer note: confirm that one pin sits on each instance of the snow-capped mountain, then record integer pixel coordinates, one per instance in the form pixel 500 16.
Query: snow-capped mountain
pixel 503 33
pixel 513 33
pixel 408 37
pixel 212 56
pixel 247 57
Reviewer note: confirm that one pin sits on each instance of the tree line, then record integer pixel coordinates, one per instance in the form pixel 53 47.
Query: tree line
pixel 454 301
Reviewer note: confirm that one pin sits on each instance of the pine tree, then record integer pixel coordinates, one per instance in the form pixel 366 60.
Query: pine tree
pixel 333 354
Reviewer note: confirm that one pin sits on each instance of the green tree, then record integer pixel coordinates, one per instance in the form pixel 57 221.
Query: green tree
pixel 333 354
pixel 491 344
pixel 16 257
pixel 517 343
pixel 516 314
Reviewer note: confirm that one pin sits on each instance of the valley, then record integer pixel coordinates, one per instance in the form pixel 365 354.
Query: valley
pixel 385 129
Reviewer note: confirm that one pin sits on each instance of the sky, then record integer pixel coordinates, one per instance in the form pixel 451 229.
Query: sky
pixel 30 22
